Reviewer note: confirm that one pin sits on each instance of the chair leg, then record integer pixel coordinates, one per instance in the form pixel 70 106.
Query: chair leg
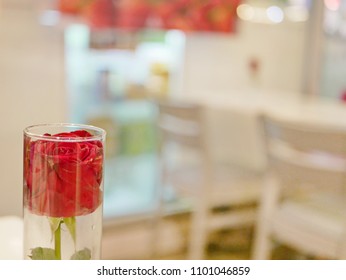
pixel 199 220
pixel 341 254
pixel 262 239
pixel 158 213
pixel 198 232
pixel 156 222
pixel 262 244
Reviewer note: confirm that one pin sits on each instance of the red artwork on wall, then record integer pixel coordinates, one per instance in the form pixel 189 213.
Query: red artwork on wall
pixel 197 15
pixel 186 15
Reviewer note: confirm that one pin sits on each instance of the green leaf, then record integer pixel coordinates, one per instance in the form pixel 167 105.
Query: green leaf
pixel 54 223
pixel 84 254
pixel 71 226
pixel 41 253
pixel 70 223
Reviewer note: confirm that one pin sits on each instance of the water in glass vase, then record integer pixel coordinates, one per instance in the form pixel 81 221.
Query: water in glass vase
pixel 63 238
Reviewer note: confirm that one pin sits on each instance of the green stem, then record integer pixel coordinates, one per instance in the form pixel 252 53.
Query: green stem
pixel 57 242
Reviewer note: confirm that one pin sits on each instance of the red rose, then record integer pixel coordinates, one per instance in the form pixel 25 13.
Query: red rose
pixel 63 178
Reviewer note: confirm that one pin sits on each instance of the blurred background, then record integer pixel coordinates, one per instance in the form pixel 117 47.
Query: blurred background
pixel 108 63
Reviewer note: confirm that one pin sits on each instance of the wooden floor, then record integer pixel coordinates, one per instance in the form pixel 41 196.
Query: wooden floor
pixel 134 240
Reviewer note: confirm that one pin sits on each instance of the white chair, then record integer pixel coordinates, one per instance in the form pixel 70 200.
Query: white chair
pixel 209 185
pixel 303 202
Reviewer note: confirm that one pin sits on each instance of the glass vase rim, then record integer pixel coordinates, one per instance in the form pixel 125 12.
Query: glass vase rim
pixel 100 132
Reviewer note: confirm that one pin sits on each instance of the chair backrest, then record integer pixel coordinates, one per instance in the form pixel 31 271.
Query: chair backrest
pixel 306 153
pixel 181 123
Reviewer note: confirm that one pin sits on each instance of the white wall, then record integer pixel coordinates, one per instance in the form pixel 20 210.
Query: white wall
pixel 222 63
pixel 31 90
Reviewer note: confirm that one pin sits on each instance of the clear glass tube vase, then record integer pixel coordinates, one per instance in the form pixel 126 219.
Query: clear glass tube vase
pixel 63 191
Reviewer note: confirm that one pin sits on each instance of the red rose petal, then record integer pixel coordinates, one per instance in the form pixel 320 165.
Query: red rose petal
pixel 63 179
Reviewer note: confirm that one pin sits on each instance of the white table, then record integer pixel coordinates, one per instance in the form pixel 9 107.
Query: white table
pixel 11 238
pixel 233 125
